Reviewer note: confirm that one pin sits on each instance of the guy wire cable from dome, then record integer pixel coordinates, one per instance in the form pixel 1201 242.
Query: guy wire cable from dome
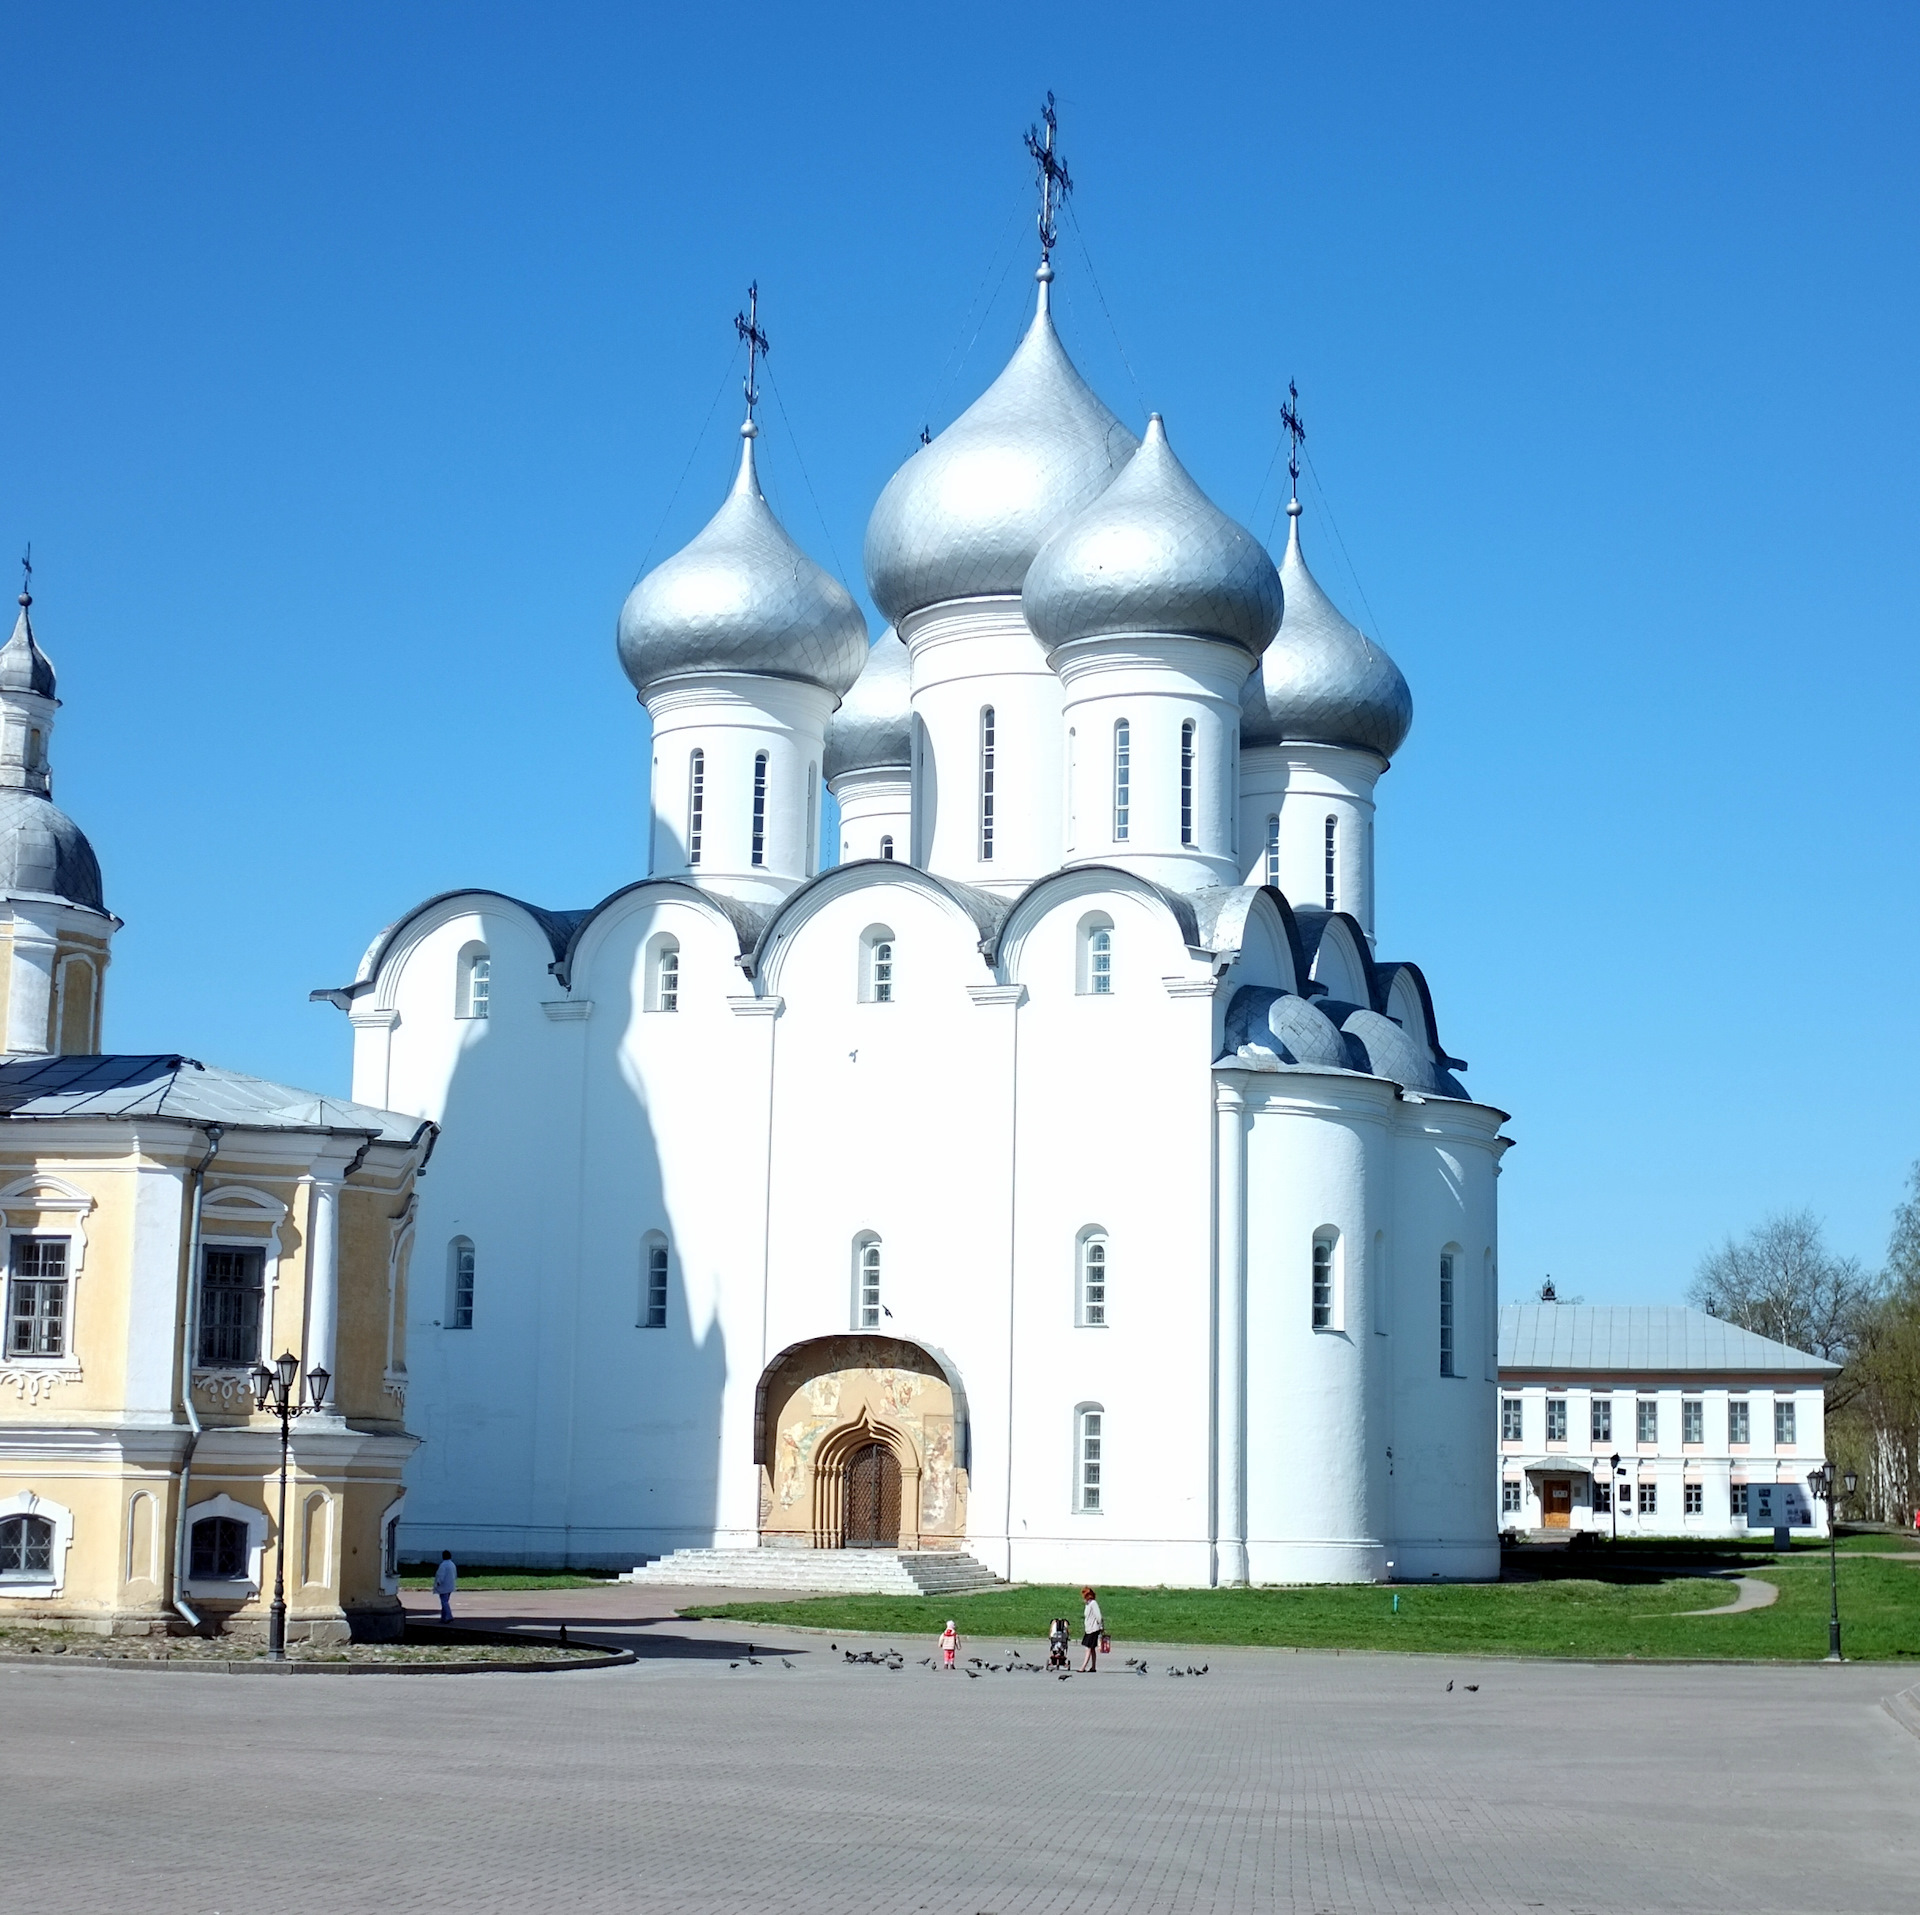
pixel 951 369
pixel 1353 570
pixel 799 459
pixel 1086 253
pixel 700 439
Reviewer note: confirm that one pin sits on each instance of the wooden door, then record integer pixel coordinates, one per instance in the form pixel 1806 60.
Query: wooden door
pixel 873 1498
pixel 1558 1503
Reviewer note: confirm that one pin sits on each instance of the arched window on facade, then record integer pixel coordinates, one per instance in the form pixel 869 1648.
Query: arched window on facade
pixel 1091 1310
pixel 1447 1261
pixel 460 1266
pixel 1122 779
pixel 653 1295
pixel 987 755
pixel 696 804
pixel 759 853
pixel 866 1282
pixel 26 1549
pixel 217 1550
pixel 1089 1439
pixel 473 988
pixel 886 849
pixel 1333 848
pixel 877 979
pixel 1323 1279
pixel 1273 851
pixel 1186 782
pixel 1096 956
pixel 663 974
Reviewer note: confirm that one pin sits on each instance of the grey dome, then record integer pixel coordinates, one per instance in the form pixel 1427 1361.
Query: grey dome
pixel 742 597
pixel 874 725
pixel 44 852
pixel 1323 681
pixel 1153 554
pixel 24 667
pixel 965 515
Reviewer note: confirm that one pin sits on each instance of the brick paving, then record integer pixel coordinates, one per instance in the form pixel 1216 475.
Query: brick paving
pixel 1276 1782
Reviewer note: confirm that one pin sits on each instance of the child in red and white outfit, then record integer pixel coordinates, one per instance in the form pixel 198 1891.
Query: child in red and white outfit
pixel 949 1645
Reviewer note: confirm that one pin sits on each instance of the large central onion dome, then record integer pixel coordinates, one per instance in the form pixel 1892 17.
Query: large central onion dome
pixel 1323 681
pixel 742 598
pixel 965 515
pixel 873 729
pixel 1153 554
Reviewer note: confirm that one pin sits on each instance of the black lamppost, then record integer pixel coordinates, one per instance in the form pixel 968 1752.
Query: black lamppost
pixel 273 1392
pixel 1613 1494
pixel 1822 1484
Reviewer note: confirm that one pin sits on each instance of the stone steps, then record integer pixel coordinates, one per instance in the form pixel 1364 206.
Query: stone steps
pixel 877 1572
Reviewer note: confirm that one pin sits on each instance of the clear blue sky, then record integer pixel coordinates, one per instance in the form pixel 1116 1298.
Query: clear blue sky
pixel 354 356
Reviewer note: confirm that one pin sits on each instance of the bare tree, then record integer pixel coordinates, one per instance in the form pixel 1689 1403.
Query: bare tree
pixel 1876 1430
pixel 1779 1281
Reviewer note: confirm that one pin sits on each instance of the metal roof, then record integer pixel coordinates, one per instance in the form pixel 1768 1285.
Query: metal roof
pixel 1651 1337
pixel 168 1085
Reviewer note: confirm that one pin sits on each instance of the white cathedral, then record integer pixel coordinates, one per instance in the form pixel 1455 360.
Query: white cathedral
pixel 1057 1176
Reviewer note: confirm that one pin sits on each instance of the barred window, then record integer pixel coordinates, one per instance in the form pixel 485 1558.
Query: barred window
pixel 37 1297
pixel 26 1547
pixel 218 1550
pixel 232 1288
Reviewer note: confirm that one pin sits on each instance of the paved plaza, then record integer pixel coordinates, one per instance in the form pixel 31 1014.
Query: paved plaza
pixel 1274 1782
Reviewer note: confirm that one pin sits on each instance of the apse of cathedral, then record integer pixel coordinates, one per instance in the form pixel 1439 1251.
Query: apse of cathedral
pixel 1050 1179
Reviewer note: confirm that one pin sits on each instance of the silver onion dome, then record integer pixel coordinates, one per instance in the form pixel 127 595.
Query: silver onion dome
pixel 1153 554
pixel 44 853
pixel 1323 681
pixel 965 515
pixel 742 597
pixel 24 667
pixel 874 726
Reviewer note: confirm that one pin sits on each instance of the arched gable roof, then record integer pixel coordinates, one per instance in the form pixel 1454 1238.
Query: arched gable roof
pixel 1410 976
pixel 744 920
pixel 1223 917
pixel 963 1423
pixel 1314 926
pixel 983 910
pixel 1035 901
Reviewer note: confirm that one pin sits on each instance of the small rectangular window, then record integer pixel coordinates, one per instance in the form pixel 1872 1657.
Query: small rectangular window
pixel 1738 1501
pixel 1273 852
pixel 1738 1421
pixel 656 1313
pixel 986 784
pixel 1122 779
pixel 1693 1420
pixel 759 807
pixel 1649 1420
pixel 1783 1421
pixel 869 1307
pixel 1649 1499
pixel 1186 782
pixel 696 804
pixel 1602 1496
pixel 37 1297
pixel 1333 840
pixel 1693 1502
pixel 1322 1283
pixel 1510 1408
pixel 232 1286
pixel 1510 1499
pixel 1446 1316
pixel 1091 1422
pixel 1602 1423
pixel 1556 1419
pixel 460 1287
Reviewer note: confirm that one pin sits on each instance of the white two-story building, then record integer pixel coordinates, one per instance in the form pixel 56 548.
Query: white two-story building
pixel 1669 1413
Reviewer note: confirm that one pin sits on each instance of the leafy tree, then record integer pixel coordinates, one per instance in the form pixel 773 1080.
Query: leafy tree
pixel 1874 1426
pixel 1779 1281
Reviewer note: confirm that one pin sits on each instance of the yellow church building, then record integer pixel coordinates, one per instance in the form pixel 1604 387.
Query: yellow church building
pixel 167 1227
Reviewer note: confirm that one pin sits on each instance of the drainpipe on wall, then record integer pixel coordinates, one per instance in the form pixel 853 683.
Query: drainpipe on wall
pixel 192 1316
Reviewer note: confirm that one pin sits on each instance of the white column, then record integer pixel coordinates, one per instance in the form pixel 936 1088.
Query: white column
pixel 373 1030
pixel 323 1282
pixel 30 985
pixel 1230 1304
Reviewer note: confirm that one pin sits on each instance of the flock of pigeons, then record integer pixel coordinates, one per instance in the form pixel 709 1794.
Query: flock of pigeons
pixel 973 1669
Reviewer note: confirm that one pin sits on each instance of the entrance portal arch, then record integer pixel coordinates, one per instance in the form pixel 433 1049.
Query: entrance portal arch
pixel 861 1442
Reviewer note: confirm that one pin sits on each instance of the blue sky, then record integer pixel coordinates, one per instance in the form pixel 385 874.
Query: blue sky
pixel 356 356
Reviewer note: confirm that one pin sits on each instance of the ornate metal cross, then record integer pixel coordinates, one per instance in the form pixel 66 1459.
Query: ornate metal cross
pixel 1291 425
pixel 747 325
pixel 1055 182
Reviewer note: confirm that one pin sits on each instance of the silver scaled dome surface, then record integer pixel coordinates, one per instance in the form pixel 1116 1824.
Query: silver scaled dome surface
pixel 965 515
pixel 742 598
pixel 1322 680
pixel 24 667
pixel 873 729
pixel 1153 554
pixel 43 852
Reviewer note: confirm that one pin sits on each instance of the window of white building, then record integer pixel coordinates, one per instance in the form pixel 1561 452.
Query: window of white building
pixel 1783 1421
pixel 1323 1285
pixel 878 976
pixel 696 804
pixel 1446 1314
pixel 39 1292
pixel 1693 1420
pixel 1510 1409
pixel 653 1302
pixel 1510 1498
pixel 1186 782
pixel 1092 1314
pixel 1601 1422
pixel 232 1288
pixel 1692 1499
pixel 1556 1419
pixel 474 982
pixel 1273 851
pixel 460 1284
pixel 1122 779
pixel 1602 1496
pixel 1739 1422
pixel 1649 1499
pixel 886 849
pixel 663 986
pixel 866 1283
pixel 1333 843
pixel 1089 1428
pixel 1095 966
pixel 1648 1424
pixel 759 849
pixel 987 740
pixel 1738 1503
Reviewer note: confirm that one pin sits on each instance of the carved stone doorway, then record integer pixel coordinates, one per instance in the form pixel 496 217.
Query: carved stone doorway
pixel 873 1498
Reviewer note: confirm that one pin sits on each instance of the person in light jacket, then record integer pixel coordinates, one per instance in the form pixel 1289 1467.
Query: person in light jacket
pixel 446 1578
pixel 1091 1626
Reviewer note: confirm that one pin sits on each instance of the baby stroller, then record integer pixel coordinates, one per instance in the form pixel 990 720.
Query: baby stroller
pixel 1057 1643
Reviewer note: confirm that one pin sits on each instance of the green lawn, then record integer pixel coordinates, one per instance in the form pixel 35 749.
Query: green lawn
pixel 1559 1616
